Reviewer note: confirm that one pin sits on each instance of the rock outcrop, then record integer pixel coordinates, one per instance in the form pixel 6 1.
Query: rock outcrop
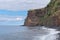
pixel 33 18
pixel 48 16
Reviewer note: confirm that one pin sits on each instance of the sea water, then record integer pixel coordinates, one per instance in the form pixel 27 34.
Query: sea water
pixel 28 33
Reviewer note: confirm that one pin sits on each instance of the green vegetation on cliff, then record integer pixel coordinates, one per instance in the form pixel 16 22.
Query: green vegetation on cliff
pixel 49 16
pixel 51 9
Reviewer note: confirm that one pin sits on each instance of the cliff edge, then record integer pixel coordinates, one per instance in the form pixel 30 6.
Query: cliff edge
pixel 48 16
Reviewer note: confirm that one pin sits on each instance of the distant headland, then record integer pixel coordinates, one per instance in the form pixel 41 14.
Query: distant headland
pixel 48 16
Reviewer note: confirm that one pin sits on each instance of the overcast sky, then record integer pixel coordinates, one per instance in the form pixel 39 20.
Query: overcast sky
pixel 15 11
pixel 22 4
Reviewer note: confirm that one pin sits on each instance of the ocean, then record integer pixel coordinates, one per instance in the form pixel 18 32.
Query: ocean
pixel 29 33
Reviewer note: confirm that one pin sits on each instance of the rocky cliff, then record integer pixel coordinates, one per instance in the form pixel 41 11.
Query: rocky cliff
pixel 48 16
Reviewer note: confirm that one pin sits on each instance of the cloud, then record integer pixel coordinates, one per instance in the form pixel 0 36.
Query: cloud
pixel 7 18
pixel 22 4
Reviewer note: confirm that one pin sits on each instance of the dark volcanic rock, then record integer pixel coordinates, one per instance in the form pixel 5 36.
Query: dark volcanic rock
pixel 48 16
pixel 33 18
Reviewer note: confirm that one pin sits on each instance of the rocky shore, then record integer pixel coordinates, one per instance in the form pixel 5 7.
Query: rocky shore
pixel 48 16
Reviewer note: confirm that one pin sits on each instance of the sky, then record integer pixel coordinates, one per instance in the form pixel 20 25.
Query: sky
pixel 14 12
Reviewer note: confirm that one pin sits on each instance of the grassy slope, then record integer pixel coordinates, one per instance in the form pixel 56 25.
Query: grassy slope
pixel 51 10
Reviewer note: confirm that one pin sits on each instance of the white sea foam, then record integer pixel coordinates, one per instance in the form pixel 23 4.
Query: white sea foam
pixel 52 34
pixel 28 33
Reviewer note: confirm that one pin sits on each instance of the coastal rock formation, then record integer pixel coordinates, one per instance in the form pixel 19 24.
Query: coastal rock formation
pixel 33 18
pixel 48 16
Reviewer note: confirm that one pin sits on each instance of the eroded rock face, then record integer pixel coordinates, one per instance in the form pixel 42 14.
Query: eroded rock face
pixel 49 16
pixel 33 18
pixel 56 19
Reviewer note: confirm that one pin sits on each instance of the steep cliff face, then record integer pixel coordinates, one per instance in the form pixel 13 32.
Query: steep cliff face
pixel 49 16
pixel 33 18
